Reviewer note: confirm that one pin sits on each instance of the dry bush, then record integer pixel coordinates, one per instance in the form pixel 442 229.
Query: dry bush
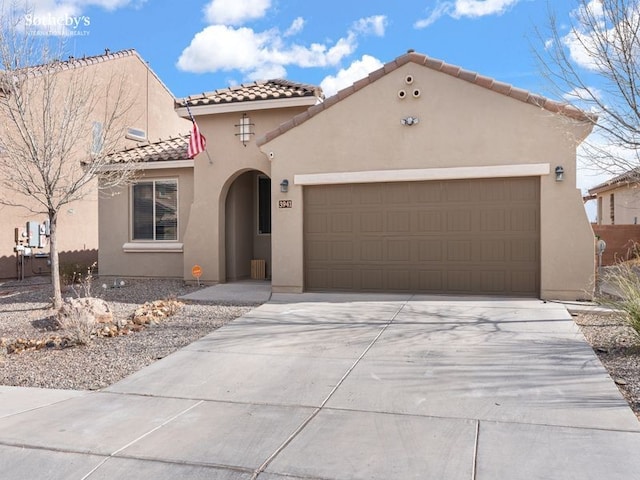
pixel 79 324
pixel 624 279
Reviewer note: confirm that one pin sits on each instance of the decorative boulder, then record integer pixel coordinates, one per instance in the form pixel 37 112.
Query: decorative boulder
pixel 96 308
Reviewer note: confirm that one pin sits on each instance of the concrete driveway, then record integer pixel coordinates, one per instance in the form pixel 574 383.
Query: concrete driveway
pixel 344 387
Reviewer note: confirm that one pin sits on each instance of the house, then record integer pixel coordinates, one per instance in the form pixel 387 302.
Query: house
pixel 149 116
pixel 618 199
pixel 420 177
pixel 222 197
pixel 618 211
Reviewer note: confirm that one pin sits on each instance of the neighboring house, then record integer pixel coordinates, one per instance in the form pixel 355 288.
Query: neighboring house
pixel 151 116
pixel 421 177
pixel 618 211
pixel 618 199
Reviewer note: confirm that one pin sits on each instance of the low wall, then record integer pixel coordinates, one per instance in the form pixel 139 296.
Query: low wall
pixel 620 240
pixel 40 266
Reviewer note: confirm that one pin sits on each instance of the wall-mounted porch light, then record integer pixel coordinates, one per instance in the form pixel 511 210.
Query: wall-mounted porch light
pixel 559 173
pixel 244 129
pixel 284 186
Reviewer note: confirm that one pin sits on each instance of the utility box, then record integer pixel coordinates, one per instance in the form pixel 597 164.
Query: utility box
pixel 33 234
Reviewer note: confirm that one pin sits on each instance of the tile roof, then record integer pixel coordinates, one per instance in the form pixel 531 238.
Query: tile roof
pixel 248 92
pixel 78 62
pixel 163 150
pixel 75 62
pixel 627 178
pixel 440 66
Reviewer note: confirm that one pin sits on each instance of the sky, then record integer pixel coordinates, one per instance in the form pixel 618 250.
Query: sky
pixel 196 46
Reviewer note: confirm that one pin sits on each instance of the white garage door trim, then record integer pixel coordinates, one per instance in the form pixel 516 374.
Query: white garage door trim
pixel 420 174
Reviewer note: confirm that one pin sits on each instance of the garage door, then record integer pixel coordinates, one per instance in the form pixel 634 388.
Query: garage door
pixel 462 236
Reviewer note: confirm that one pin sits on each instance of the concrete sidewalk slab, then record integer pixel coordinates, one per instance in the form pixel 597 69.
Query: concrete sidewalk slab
pixel 313 339
pixel 246 292
pixel 14 400
pixel 518 368
pixel 234 377
pixel 99 423
pixel 133 469
pixel 331 312
pixel 222 434
pixel 526 452
pixel 364 445
pixel 37 463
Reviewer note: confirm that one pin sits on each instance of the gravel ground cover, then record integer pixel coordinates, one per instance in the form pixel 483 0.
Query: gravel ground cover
pixel 25 313
pixel 618 347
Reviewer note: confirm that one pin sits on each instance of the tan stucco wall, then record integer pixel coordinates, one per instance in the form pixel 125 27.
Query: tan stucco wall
pixel 151 108
pixel 115 218
pixel 205 238
pixel 461 125
pixel 626 200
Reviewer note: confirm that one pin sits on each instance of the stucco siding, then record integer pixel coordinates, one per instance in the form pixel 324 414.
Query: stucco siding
pixel 115 232
pixel 149 106
pixel 460 125
pixel 216 171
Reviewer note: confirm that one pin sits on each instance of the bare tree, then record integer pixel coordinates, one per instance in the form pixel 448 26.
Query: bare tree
pixel 593 61
pixel 59 125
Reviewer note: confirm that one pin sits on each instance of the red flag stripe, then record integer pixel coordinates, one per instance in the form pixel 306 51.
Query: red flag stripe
pixel 197 142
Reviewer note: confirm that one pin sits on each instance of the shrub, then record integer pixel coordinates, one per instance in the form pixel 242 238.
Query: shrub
pixel 623 282
pixel 78 323
pixel 79 278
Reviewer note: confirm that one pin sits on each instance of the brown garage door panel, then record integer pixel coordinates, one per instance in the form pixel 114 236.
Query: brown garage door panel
pixel 471 236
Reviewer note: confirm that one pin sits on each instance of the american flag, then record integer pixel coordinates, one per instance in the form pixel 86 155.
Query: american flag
pixel 197 142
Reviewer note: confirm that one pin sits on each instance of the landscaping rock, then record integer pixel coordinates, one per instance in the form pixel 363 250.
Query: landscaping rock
pixel 95 307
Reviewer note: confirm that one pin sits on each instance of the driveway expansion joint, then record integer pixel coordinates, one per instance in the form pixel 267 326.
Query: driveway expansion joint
pixel 315 413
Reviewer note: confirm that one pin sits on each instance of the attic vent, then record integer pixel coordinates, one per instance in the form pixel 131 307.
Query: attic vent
pixel 136 134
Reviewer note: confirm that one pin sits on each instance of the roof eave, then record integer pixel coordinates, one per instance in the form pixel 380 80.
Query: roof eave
pixel 247 106
pixel 148 165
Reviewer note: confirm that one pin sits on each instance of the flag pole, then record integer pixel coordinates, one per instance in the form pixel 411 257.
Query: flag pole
pixel 193 120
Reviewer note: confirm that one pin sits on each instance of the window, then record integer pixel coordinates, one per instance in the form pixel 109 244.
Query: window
pixel 264 205
pixel 98 141
pixel 155 210
pixel 136 134
pixel 612 209
pixel 599 213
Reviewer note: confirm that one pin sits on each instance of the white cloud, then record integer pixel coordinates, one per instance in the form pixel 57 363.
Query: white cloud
pixel 296 27
pixel 235 12
pixel 578 45
pixel 439 11
pixel 253 52
pixel 465 9
pixel 347 76
pixel 584 97
pixel 375 25
pixel 480 8
pixel 256 54
pixel 580 41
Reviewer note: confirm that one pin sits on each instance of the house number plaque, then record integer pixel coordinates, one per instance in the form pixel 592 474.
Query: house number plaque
pixel 285 203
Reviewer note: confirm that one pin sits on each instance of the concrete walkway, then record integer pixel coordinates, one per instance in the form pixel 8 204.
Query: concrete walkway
pixel 344 387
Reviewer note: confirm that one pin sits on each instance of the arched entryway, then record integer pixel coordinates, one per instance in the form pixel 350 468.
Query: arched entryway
pixel 248 225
